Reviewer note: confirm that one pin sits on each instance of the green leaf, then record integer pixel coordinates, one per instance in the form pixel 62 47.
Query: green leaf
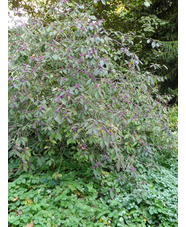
pixel 70 4
pixel 89 81
pixel 15 85
pixel 102 144
pixel 96 95
pixel 139 200
pixel 25 167
pixel 75 136
pixel 95 132
pixel 58 118
pixel 153 44
pixel 35 199
pixel 112 194
pixel 58 136
pixel 103 2
pixel 69 141
pixel 40 137
pixel 96 72
pixel 146 3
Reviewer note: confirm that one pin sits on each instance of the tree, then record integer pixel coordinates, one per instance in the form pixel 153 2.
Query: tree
pixel 154 28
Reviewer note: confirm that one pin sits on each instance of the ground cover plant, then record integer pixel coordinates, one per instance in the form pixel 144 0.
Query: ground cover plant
pixel 76 198
pixel 77 98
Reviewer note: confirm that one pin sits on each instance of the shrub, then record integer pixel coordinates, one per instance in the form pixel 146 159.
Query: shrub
pixel 77 90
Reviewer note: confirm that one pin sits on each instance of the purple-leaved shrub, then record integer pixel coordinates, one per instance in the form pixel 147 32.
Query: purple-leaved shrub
pixel 73 83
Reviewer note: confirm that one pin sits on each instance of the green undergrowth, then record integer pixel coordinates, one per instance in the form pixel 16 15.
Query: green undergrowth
pixel 73 196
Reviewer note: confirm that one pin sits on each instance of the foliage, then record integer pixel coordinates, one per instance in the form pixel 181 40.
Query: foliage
pixel 168 34
pixel 153 24
pixel 77 198
pixel 75 90
pixel 78 99
pixel 154 28
pixel 172 114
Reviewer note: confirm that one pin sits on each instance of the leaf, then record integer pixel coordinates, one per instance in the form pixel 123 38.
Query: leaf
pixel 58 136
pixel 76 91
pixel 58 118
pixel 35 199
pixel 69 141
pixel 96 72
pixel 15 86
pixel 103 2
pixel 30 224
pixel 40 137
pixel 101 62
pixel 95 132
pixel 157 44
pixel 102 144
pixel 70 4
pixel 153 44
pixel 55 57
pixel 146 3
pixel 53 141
pixel 19 212
pixel 75 136
pixel 89 81
pixel 14 199
pixel 139 200
pixel 107 141
pixel 96 95
pixel 112 194
pixel 25 167
pixel 56 176
pixel 118 165
pixel 28 201
pixel 39 161
pixel 165 67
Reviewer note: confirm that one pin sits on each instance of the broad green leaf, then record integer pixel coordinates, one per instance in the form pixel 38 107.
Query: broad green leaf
pixel 58 118
pixel 103 1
